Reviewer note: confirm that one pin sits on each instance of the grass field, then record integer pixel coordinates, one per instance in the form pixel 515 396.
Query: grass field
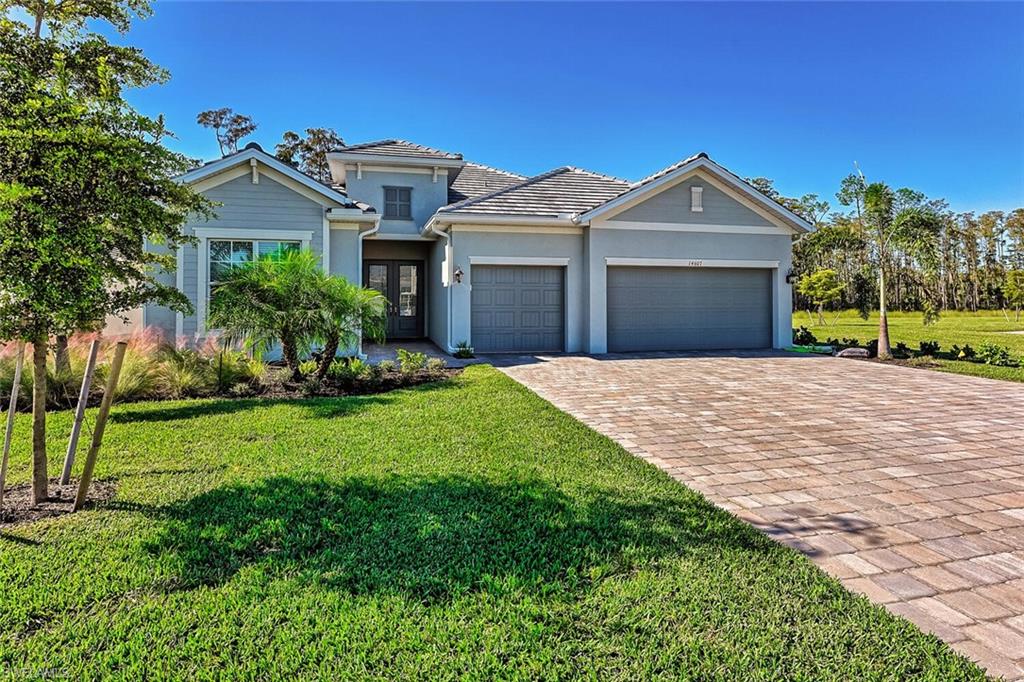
pixel 460 530
pixel 952 328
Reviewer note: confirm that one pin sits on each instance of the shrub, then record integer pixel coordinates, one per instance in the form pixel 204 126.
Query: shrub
pixel 409 362
pixel 802 337
pixel 386 366
pixel 900 350
pixel 928 347
pixel 872 347
pixel 307 368
pixel 994 354
pixel 966 353
pixel 436 364
pixel 463 350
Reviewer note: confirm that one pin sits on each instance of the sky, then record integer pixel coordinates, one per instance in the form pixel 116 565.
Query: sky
pixel 921 95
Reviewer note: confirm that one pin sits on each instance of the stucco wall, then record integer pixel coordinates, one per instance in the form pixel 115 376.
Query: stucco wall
pixel 468 244
pixel 427 196
pixel 605 242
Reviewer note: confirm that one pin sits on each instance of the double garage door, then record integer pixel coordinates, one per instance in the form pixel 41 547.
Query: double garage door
pixel 669 308
pixel 522 308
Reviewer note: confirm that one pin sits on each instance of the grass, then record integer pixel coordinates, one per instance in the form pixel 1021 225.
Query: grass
pixel 953 327
pixel 461 530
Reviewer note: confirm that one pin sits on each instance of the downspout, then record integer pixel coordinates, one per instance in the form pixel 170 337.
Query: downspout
pixel 432 229
pixel 359 269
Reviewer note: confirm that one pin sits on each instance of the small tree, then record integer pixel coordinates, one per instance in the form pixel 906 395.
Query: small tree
pixel 85 183
pixel 821 287
pixel 309 154
pixel 1013 290
pixel 228 126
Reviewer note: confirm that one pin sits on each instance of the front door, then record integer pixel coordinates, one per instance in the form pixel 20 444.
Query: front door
pixel 401 283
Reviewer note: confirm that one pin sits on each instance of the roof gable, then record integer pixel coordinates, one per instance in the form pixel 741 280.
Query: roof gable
pixel 222 169
pixel 725 180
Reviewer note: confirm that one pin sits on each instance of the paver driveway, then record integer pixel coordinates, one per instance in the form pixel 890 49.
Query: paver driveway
pixel 906 484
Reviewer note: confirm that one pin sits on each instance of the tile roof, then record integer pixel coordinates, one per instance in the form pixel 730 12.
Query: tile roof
pixel 398 148
pixel 476 180
pixel 558 192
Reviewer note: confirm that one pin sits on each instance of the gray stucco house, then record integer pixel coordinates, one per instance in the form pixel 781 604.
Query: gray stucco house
pixel 691 257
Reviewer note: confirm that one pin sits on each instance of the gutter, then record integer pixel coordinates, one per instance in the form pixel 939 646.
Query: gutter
pixel 359 269
pixel 432 228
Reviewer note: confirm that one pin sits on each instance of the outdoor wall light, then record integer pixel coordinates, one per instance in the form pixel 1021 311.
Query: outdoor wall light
pixel 790 277
pixel 457 274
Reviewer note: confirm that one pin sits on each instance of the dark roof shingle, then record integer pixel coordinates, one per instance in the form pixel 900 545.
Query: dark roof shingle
pixel 475 180
pixel 559 192
pixel 398 148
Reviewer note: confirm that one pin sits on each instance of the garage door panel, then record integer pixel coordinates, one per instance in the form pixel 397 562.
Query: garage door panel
pixel 517 308
pixel 688 308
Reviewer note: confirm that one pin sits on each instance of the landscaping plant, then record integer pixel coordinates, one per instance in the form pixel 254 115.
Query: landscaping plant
pixel 993 354
pixel 85 183
pixel 822 287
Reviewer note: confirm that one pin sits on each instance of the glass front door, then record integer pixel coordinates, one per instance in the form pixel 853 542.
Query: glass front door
pixel 401 283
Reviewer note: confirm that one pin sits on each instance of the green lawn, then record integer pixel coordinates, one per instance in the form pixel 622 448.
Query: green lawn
pixel 952 328
pixel 459 530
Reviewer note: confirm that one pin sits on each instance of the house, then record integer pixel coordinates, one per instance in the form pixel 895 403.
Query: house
pixel 691 257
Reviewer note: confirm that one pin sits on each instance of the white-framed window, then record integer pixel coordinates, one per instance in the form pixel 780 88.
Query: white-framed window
pixel 227 254
pixel 697 199
pixel 398 203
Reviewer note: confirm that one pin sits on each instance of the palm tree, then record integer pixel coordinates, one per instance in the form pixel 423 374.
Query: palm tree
pixel 275 299
pixel 286 298
pixel 891 220
pixel 349 313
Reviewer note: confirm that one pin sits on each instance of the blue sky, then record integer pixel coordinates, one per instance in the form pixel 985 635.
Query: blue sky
pixel 929 96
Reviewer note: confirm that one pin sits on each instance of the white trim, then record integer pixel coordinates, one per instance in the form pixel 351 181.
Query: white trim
pixel 517 260
pixel 273 163
pixel 325 247
pixel 254 164
pixel 244 234
pixel 687 169
pixel 513 229
pixel 691 263
pixel 442 219
pixel 351 215
pixel 393 160
pixel 398 237
pixel 689 227
pixel 179 283
pixel 209 183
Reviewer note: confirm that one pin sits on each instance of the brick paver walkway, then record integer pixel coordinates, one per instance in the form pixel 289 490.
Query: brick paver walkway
pixel 907 485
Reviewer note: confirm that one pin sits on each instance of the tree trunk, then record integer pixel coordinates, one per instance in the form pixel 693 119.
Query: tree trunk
pixel 291 356
pixel 821 316
pixel 38 30
pixel 330 350
pixel 884 349
pixel 39 477
pixel 61 356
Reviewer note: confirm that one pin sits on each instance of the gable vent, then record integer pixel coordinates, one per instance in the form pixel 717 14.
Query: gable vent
pixel 697 199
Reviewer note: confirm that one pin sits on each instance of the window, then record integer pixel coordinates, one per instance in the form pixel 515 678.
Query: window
pixel 697 199
pixel 398 203
pixel 227 254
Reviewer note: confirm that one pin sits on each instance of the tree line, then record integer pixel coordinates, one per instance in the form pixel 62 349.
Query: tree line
pixel 938 260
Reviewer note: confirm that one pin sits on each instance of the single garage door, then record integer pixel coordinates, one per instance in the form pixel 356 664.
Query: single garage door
pixel 517 308
pixel 667 308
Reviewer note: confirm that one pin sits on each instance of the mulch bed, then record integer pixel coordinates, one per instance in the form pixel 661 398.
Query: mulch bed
pixel 331 389
pixel 19 508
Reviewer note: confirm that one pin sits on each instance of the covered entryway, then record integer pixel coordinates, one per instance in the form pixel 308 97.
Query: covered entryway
pixel 688 308
pixel 517 308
